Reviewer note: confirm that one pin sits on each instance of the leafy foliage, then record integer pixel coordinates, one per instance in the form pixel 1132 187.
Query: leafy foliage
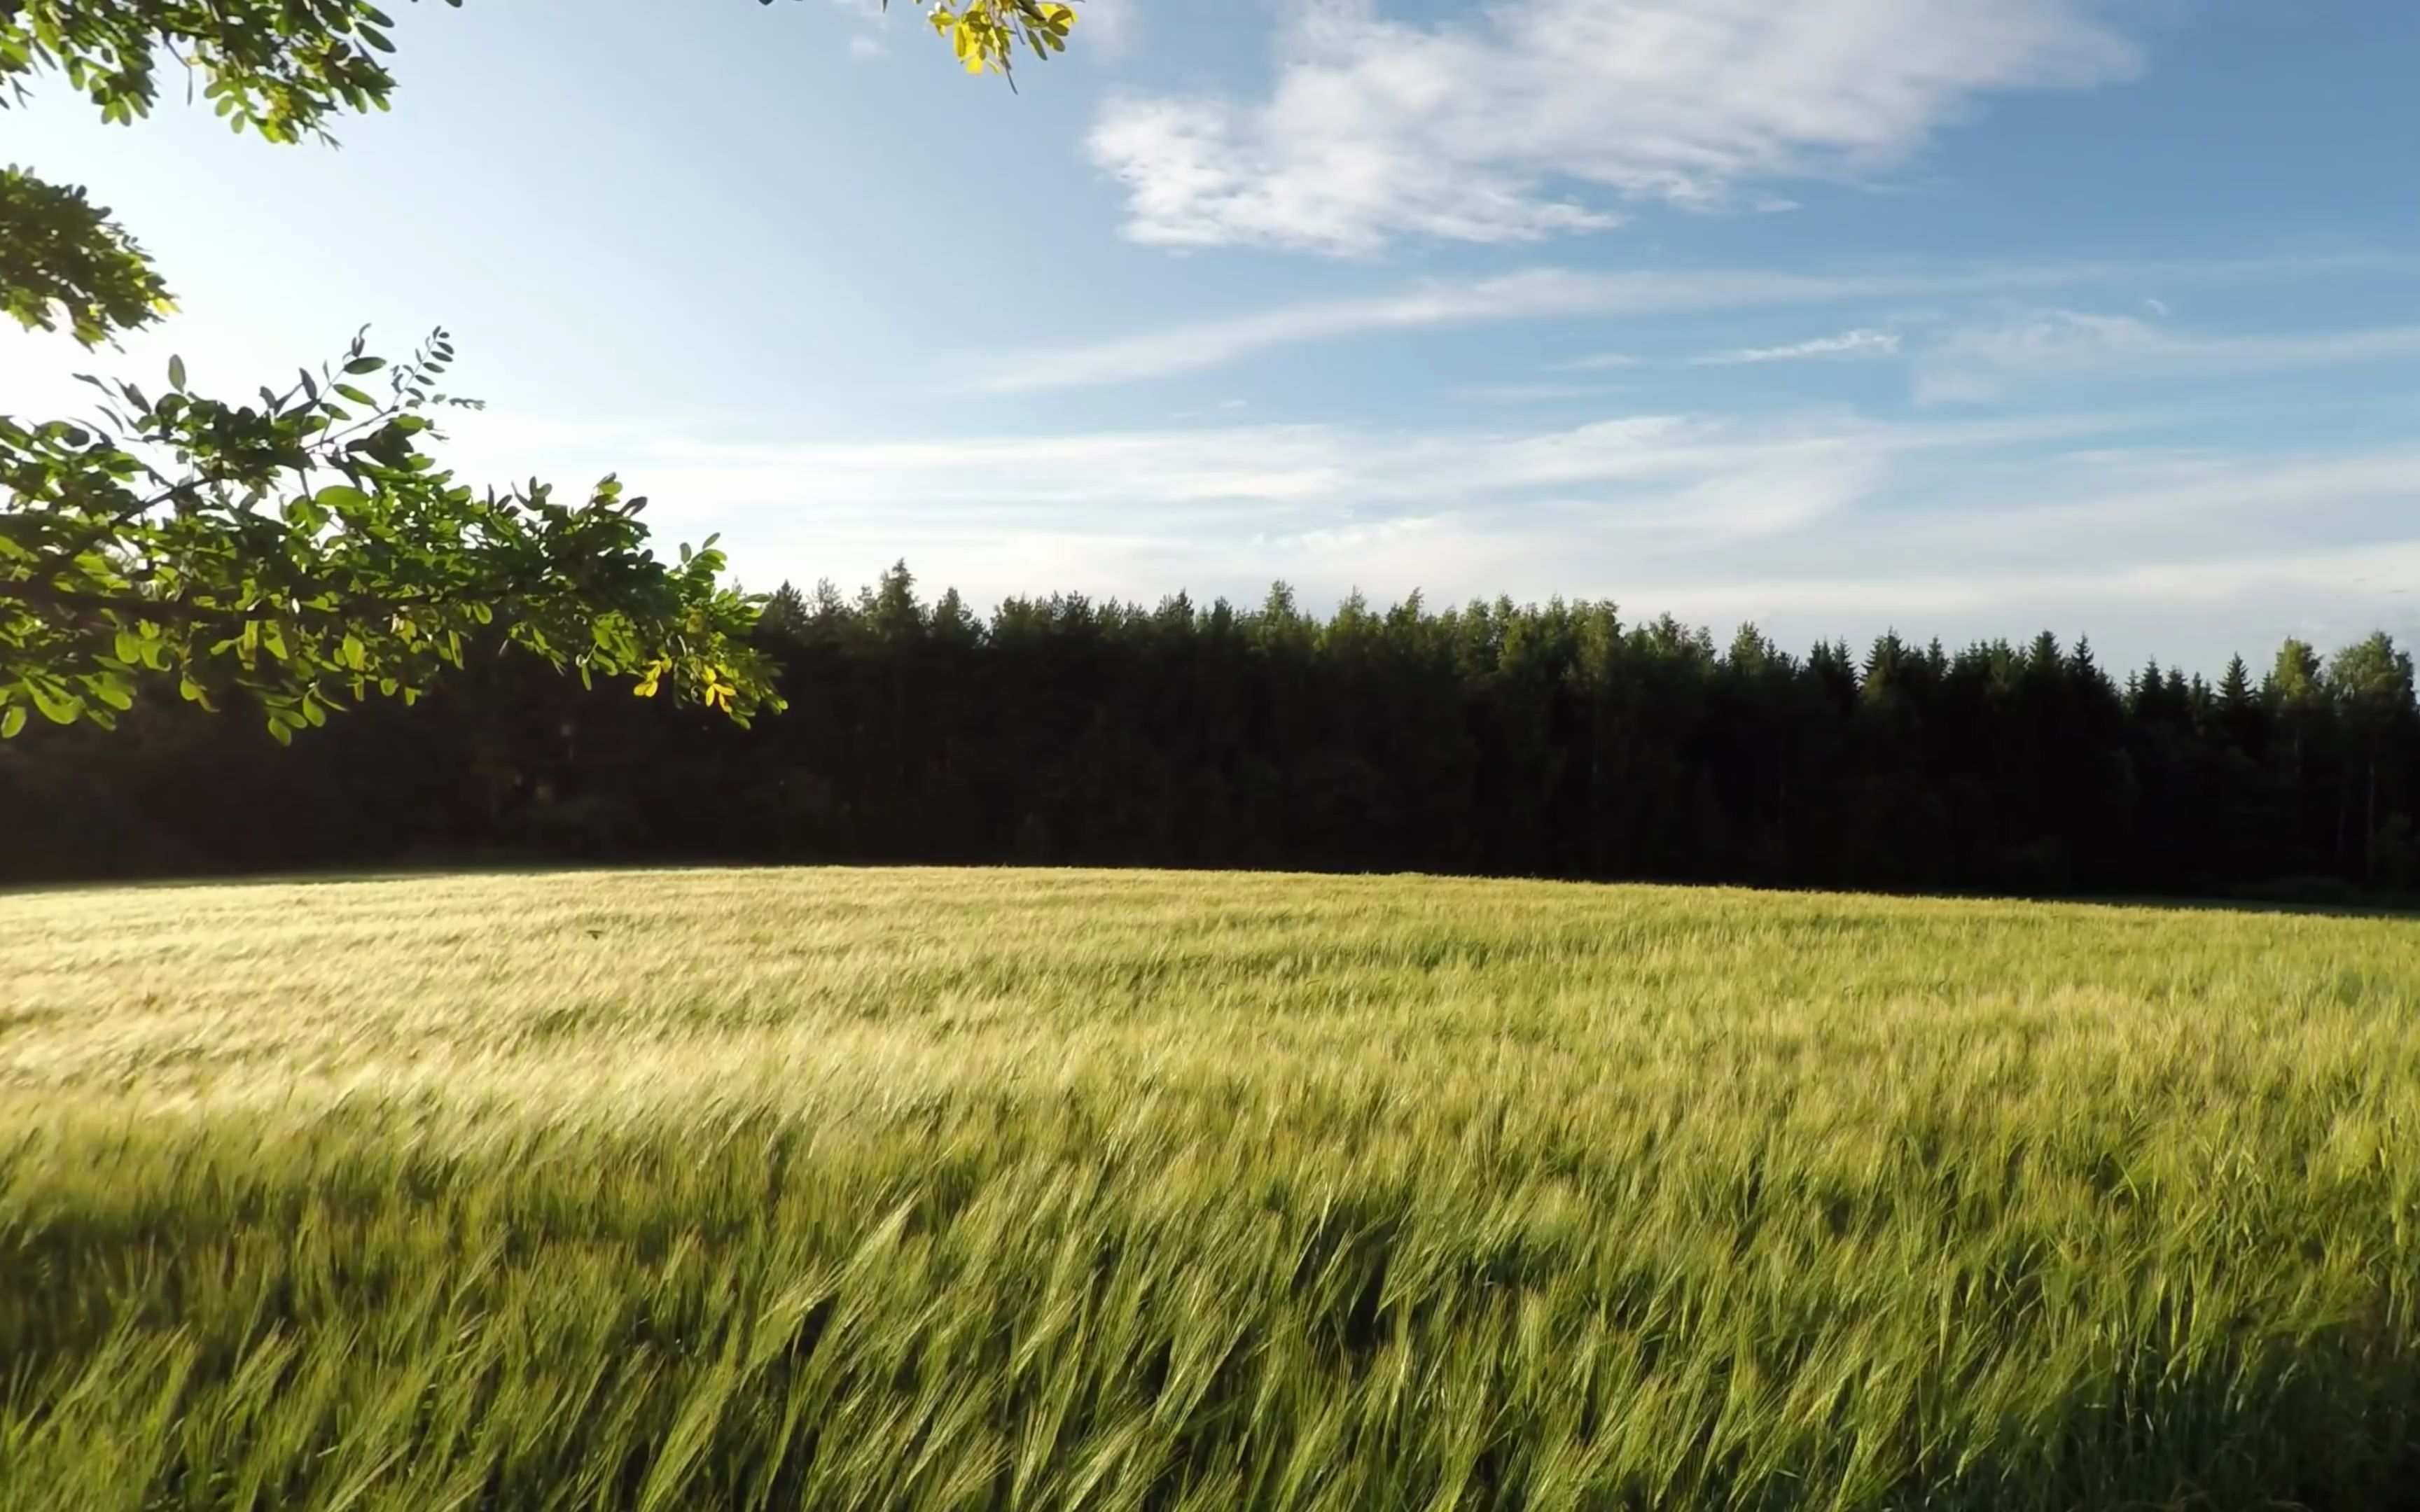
pixel 307 551
pixel 984 34
pixel 280 68
pixel 277 67
pixel 63 258
pixel 283 68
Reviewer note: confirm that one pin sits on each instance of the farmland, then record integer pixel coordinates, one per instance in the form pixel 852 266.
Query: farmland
pixel 1047 1190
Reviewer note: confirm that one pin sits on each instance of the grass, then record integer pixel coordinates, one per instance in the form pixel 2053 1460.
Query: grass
pixel 925 1190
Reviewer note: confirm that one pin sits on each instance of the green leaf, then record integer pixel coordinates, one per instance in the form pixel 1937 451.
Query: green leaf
pixel 177 374
pixel 387 569
pixel 12 719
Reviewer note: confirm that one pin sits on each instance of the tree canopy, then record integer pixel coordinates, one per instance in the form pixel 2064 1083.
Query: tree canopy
pixel 305 549
pixel 1559 740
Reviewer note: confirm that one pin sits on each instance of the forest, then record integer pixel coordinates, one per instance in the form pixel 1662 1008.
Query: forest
pixel 1552 740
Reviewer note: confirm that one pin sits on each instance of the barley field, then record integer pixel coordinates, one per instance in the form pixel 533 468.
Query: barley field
pixel 1057 1190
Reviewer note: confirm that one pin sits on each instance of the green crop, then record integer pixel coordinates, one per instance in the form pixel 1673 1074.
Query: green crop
pixel 1057 1190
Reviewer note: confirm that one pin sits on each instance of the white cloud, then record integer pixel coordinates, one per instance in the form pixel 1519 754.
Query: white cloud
pixel 1528 393
pixel 1986 362
pixel 1655 472
pixel 1847 344
pixel 2191 611
pixel 1813 524
pixel 1616 501
pixel 1598 362
pixel 1106 26
pixel 1538 293
pixel 1816 528
pixel 1528 121
pixel 1215 342
pixel 1528 295
pixel 2118 496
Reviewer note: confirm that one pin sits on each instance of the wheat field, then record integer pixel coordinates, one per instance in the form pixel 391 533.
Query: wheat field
pixel 1056 1189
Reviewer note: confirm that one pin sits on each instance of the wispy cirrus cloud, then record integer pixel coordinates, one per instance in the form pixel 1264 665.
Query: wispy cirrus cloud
pixel 1595 362
pixel 1847 344
pixel 1657 481
pixel 1822 520
pixel 1542 293
pixel 1230 475
pixel 1989 362
pixel 1528 393
pixel 1541 116
pixel 1533 294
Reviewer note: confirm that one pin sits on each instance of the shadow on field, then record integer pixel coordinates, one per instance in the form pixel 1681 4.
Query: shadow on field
pixel 2303 897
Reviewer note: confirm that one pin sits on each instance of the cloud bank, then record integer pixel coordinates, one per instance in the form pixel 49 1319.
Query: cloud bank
pixel 1543 116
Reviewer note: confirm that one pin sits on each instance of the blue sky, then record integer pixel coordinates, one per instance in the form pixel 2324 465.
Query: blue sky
pixel 1963 317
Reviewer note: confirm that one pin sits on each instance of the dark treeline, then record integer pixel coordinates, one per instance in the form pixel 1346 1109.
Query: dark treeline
pixel 1550 741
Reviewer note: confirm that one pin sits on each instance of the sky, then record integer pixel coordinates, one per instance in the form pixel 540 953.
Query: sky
pixel 1960 317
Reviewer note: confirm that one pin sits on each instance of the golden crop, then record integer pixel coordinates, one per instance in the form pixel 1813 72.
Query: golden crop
pixel 1053 1190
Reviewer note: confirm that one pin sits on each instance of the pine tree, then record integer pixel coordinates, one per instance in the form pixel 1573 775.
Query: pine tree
pixel 2234 687
pixel 2237 716
pixel 2080 664
pixel 1885 666
pixel 786 614
pixel 1751 651
pixel 1835 672
pixel 2044 655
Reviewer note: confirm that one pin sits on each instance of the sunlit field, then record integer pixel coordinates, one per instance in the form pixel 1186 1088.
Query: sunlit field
pixel 1053 1190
